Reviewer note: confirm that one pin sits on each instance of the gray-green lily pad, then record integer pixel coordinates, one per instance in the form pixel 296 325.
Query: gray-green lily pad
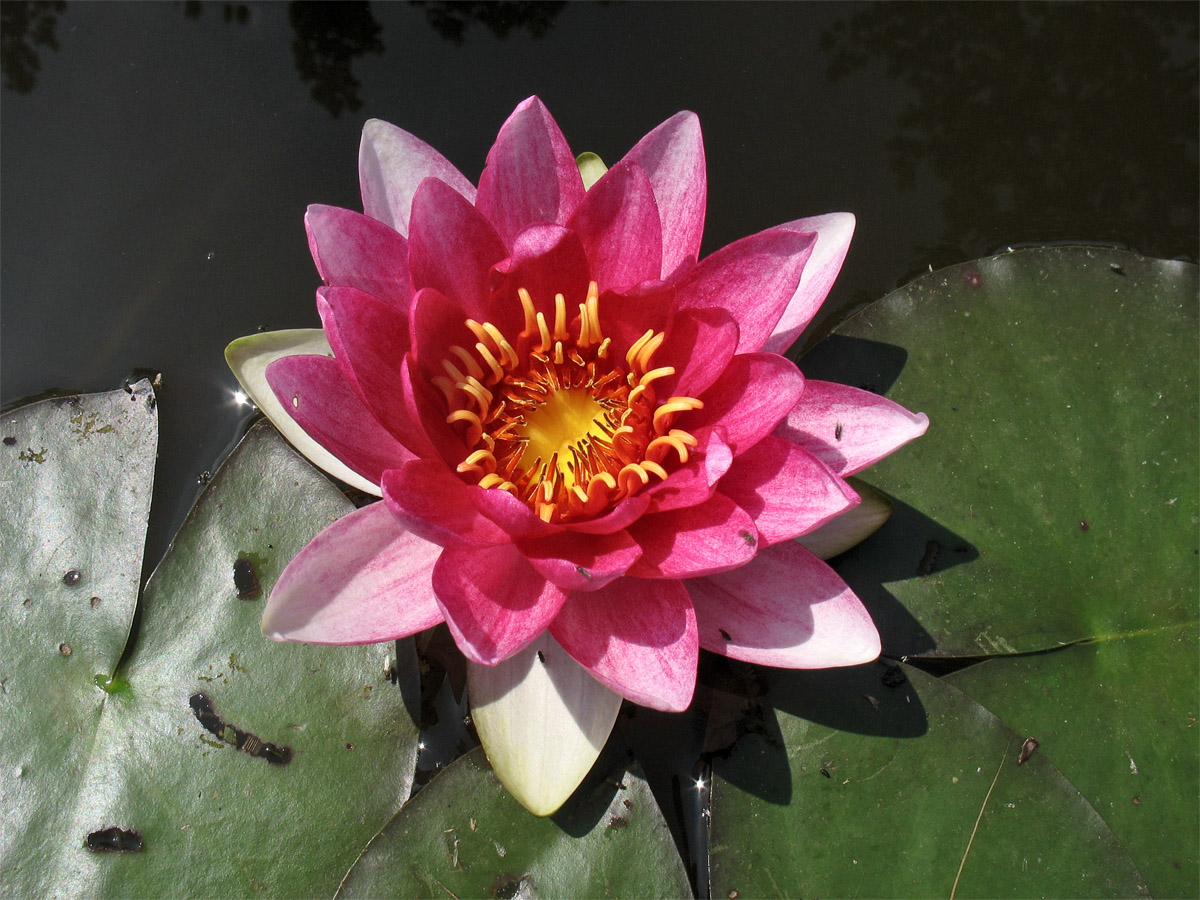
pixel 1054 497
pixel 464 836
pixel 930 803
pixel 223 752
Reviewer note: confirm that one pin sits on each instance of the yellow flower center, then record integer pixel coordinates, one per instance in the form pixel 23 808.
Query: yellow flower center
pixel 555 420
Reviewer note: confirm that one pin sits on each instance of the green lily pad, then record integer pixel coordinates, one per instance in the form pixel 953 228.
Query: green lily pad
pixel 930 802
pixel 217 752
pixel 464 836
pixel 1054 497
pixel 1119 718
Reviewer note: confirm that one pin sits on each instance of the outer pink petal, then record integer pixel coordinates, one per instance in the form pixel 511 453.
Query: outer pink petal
pixel 753 278
pixel 363 579
pixel 753 394
pixel 369 339
pixel 430 501
pixel 786 608
pixel 356 250
pixel 530 174
pixel 637 638
pixel 620 230
pixel 787 490
pixel 493 601
pixel 833 240
pixel 848 428
pixel 452 247
pixel 673 157
pixel 314 392
pixel 714 536
pixel 582 563
pixel 391 164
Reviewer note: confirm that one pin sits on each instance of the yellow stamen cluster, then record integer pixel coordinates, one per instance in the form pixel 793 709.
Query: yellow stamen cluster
pixel 559 422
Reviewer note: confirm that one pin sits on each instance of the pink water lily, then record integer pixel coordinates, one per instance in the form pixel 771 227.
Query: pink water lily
pixel 579 430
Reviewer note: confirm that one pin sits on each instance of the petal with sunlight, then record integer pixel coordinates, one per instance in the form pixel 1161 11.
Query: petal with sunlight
pixel 356 250
pixel 362 580
pixel 833 233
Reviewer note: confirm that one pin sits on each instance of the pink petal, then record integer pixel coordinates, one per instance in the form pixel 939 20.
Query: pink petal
pixel 432 502
pixel 620 230
pixel 452 248
pixel 787 490
pixel 753 278
pixel 637 638
pixel 530 176
pixel 673 157
pixel 582 563
pixel 493 600
pixel 391 164
pixel 700 344
pixel 694 483
pixel 833 240
pixel 314 392
pixel 714 536
pixel 621 516
pixel 369 339
pixel 362 580
pixel 356 250
pixel 848 428
pixel 511 515
pixel 753 394
pixel 785 608
pixel 546 260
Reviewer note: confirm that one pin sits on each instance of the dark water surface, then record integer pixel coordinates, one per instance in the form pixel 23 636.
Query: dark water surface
pixel 158 158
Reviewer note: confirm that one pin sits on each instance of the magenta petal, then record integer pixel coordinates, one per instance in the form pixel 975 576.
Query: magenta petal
pixel 546 260
pixel 848 428
pixel 356 250
pixel 714 536
pixel 362 580
pixel 530 175
pixel 785 608
pixel 637 638
pixel 753 394
pixel 578 563
pixel 787 490
pixel 833 240
pixel 432 502
pixel 452 248
pixel 620 230
pixel 493 601
pixel 694 483
pixel 672 156
pixel 391 164
pixel 700 344
pixel 511 515
pixel 316 394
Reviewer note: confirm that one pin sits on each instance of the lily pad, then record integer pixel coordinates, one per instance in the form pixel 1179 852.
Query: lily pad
pixel 931 802
pixel 1054 497
pixel 465 836
pixel 221 751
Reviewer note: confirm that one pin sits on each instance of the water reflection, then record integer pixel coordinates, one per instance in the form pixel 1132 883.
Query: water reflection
pixel 328 38
pixel 1046 113
pixel 24 27
pixel 450 18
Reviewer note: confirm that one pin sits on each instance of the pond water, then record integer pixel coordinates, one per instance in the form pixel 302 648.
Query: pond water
pixel 158 158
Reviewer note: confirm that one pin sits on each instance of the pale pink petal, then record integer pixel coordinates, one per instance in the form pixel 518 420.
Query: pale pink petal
pixel 750 398
pixel 673 157
pixel 452 247
pixel 362 580
pixel 693 483
pixel 785 608
pixel 391 164
pixel 493 600
pixel 848 428
pixel 753 278
pixel 637 638
pixel 620 230
pixel 787 490
pixel 530 175
pixel 833 240
pixel 582 563
pixel 433 502
pixel 317 396
pixel 714 536
pixel 356 250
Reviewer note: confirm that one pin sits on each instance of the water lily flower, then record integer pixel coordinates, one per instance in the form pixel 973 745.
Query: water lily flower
pixel 593 458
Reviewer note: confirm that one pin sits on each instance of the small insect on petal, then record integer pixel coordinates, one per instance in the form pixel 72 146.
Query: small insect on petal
pixel 1027 750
